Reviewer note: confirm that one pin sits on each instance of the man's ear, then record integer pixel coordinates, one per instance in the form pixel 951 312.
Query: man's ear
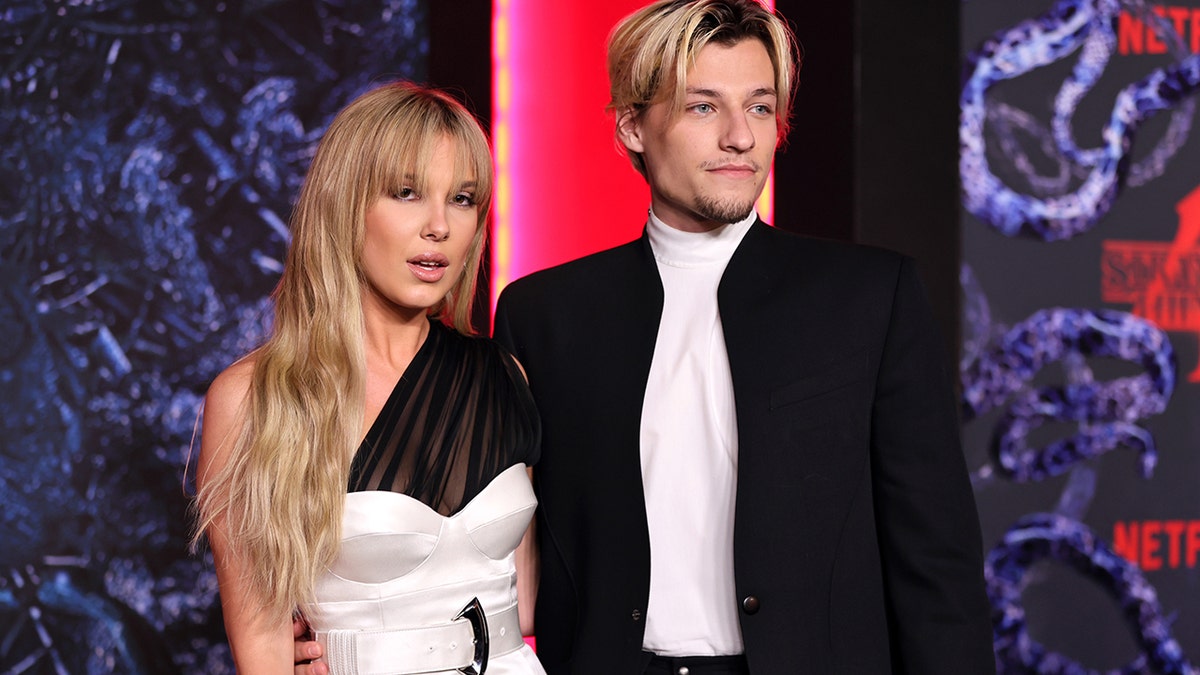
pixel 629 131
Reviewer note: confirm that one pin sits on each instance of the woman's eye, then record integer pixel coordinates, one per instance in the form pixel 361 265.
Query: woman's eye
pixel 405 194
pixel 464 199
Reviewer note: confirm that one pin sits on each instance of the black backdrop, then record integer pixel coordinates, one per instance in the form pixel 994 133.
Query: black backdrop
pixel 1076 197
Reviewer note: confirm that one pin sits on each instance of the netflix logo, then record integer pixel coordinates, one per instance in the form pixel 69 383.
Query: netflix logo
pixel 1135 36
pixel 1158 544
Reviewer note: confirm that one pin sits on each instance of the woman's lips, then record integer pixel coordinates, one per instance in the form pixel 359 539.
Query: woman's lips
pixel 429 267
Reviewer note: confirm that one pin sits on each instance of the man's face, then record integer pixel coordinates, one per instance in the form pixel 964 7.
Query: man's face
pixel 707 165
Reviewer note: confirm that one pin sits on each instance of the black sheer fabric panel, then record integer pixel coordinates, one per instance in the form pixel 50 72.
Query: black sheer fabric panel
pixel 459 416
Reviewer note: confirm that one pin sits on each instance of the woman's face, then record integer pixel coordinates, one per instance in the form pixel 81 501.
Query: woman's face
pixel 415 243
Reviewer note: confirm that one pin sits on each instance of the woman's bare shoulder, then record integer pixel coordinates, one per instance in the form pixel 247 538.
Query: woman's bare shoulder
pixel 224 411
pixel 228 390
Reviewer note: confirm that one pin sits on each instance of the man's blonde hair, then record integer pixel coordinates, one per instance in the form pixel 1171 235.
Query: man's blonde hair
pixel 650 51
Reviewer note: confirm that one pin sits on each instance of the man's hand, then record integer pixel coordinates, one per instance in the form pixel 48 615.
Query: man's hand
pixel 306 650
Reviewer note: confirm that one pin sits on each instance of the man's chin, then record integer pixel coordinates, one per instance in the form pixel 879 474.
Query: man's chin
pixel 724 212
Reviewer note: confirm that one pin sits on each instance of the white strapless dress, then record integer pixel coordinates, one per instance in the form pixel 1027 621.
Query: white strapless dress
pixel 389 603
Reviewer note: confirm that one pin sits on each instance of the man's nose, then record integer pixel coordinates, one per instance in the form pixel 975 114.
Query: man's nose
pixel 737 135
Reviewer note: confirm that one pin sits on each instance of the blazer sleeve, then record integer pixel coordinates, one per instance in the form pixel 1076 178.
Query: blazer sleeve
pixel 928 526
pixel 502 327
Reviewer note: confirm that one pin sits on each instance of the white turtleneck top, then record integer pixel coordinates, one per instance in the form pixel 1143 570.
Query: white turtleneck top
pixel 689 450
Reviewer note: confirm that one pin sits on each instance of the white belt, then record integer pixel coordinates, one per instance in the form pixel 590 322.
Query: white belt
pixel 410 651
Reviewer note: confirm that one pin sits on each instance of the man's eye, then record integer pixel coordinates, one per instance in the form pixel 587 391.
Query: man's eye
pixel 702 108
pixel 763 109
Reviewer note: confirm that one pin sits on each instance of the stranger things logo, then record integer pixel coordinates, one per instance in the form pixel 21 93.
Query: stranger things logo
pixel 1160 279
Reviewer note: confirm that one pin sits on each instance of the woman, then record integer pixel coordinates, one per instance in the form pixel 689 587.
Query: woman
pixel 367 465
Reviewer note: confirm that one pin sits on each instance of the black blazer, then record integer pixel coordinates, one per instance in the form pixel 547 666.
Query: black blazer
pixel 856 539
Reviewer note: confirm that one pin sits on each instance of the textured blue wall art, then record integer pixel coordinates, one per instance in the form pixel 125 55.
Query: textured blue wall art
pixel 149 154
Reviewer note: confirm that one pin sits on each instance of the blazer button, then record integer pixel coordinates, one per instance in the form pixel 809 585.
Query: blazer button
pixel 750 604
pixel 637 615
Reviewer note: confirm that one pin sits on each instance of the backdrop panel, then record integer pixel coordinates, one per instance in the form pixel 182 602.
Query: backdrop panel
pixel 1081 283
pixel 149 154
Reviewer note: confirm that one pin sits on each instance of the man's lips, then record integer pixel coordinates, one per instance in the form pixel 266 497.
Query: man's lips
pixel 734 170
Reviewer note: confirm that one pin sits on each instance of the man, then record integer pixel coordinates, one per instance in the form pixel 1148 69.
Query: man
pixel 750 454
pixel 750 445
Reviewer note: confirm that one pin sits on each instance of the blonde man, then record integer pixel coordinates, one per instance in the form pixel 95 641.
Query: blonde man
pixel 750 458
pixel 750 454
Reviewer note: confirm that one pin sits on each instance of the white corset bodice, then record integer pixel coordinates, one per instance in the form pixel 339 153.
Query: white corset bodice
pixel 403 565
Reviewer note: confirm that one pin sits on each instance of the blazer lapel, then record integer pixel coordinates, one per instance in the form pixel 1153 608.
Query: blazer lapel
pixel 751 274
pixel 639 313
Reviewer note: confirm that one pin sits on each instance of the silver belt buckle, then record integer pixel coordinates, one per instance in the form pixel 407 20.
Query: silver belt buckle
pixel 474 615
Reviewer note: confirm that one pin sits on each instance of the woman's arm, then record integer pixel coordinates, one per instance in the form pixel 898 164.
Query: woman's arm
pixel 527 575
pixel 528 567
pixel 259 645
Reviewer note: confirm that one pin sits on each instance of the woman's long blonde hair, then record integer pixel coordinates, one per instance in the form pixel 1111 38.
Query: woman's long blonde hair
pixel 280 496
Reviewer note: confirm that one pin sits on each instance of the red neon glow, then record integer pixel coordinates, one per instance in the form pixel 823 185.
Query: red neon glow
pixel 563 187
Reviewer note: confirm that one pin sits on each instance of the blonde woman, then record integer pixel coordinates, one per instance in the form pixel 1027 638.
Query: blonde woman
pixel 367 466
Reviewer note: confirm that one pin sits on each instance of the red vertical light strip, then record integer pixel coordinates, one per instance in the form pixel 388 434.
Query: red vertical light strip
pixel 563 188
pixel 766 200
pixel 502 217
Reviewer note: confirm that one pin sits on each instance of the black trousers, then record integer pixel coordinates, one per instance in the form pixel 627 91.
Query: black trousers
pixel 695 665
